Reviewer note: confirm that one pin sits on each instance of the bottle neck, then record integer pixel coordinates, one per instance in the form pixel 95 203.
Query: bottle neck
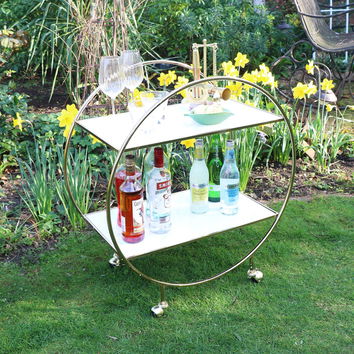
pixel 199 154
pixel 230 154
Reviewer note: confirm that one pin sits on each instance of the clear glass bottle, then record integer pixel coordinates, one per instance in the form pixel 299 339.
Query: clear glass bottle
pixel 159 192
pixel 199 180
pixel 119 177
pixel 215 162
pixel 148 166
pixel 229 181
pixel 132 204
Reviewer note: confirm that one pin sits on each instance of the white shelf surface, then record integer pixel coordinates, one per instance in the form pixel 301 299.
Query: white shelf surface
pixel 114 129
pixel 186 226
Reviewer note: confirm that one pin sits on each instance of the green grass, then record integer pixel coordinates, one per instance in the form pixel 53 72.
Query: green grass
pixel 70 301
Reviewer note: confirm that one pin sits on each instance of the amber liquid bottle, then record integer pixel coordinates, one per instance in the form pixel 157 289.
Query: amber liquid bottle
pixel 131 204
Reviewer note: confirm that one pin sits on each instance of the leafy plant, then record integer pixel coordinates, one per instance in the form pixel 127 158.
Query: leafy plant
pixel 80 181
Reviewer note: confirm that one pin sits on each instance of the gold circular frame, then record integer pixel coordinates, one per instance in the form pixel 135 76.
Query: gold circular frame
pixel 125 143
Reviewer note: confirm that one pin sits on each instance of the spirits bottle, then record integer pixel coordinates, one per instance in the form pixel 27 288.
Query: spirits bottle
pixel 215 161
pixel 148 166
pixel 131 204
pixel 159 192
pixel 119 179
pixel 229 181
pixel 199 180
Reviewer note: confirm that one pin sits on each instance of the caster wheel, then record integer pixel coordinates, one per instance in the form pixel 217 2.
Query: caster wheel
pixel 114 261
pixel 157 311
pixel 255 275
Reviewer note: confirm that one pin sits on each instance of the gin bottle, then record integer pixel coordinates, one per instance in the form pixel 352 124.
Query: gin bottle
pixel 131 204
pixel 215 161
pixel 199 180
pixel 229 181
pixel 159 194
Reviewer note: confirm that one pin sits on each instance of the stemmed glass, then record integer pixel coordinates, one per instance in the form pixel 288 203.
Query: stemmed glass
pixel 111 77
pixel 134 72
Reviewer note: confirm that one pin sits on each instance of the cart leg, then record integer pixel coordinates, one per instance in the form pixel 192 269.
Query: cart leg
pixel 114 261
pixel 253 273
pixel 158 310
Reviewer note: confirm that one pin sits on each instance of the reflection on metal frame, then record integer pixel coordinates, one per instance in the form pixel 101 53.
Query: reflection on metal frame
pixel 125 143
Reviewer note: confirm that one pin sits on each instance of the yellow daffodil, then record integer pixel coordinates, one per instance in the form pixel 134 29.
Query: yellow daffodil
pixel 188 143
pixel 67 117
pixel 249 77
pixel 95 140
pixel 311 89
pixel 329 107
pixel 137 98
pixel 310 68
pixel 241 60
pixel 181 80
pixel 18 121
pixel 236 89
pixel 351 108
pixel 166 79
pixel 229 69
pixel 250 103
pixel 264 68
pixel 300 90
pixel 327 84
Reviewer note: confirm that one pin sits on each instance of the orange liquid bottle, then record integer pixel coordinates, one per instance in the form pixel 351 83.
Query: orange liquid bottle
pixel 131 204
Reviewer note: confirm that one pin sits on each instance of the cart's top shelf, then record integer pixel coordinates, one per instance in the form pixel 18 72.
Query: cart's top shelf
pixel 113 130
pixel 186 226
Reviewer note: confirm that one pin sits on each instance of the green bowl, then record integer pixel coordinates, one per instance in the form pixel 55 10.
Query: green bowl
pixel 210 118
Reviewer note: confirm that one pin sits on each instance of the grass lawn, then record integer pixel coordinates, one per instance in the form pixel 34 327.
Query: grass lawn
pixel 70 301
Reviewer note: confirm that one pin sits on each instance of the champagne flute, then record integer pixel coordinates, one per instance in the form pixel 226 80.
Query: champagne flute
pixel 134 72
pixel 111 77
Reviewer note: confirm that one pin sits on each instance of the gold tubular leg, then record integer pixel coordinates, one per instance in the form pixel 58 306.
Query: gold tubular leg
pixel 158 310
pixel 163 303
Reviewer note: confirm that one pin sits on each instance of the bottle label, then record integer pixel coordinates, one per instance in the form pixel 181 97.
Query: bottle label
pixel 199 193
pixel 161 202
pixel 138 215
pixel 214 190
pixel 230 190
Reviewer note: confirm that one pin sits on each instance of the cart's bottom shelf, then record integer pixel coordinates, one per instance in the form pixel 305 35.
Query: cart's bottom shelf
pixel 186 226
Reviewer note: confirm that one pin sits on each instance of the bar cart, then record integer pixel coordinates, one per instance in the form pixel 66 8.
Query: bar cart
pixel 186 227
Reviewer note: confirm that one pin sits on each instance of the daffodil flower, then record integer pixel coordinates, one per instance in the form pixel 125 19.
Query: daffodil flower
pixel 236 89
pixel 329 107
pixel 188 143
pixel 241 60
pixel 327 84
pixel 181 80
pixel 229 69
pixel 18 121
pixel 95 140
pixel 67 117
pixel 311 89
pixel 351 107
pixel 300 90
pixel 310 68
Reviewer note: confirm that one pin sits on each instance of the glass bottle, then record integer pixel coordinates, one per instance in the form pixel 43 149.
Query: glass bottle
pixel 119 179
pixel 131 204
pixel 229 181
pixel 199 180
pixel 159 192
pixel 215 161
pixel 148 166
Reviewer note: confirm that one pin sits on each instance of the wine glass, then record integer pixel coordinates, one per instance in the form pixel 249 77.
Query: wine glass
pixel 134 72
pixel 111 77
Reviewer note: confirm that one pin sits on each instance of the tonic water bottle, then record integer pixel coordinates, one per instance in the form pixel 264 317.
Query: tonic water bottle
pixel 199 180
pixel 229 181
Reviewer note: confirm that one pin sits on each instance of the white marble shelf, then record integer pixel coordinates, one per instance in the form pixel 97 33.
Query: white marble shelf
pixel 186 226
pixel 114 129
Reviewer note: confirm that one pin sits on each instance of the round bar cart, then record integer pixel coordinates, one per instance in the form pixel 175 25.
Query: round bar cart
pixel 186 227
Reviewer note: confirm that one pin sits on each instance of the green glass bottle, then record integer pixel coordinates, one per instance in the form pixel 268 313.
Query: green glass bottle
pixel 215 162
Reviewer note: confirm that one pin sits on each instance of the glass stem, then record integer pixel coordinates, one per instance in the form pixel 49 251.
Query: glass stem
pixel 113 108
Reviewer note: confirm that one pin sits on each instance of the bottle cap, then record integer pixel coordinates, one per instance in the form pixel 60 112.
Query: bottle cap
pixel 130 163
pixel 158 157
pixel 230 143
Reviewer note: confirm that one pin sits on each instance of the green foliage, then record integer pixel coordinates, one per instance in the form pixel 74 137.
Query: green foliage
pixel 171 26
